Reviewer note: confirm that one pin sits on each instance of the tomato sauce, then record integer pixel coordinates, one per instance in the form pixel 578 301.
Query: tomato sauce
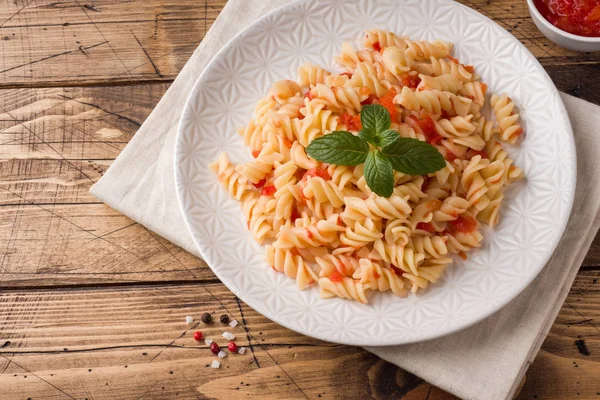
pixel 314 172
pixel 387 100
pixel 579 17
pixel 463 224
pixel 351 121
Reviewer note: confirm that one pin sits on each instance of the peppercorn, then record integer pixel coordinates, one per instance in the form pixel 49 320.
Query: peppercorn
pixel 214 347
pixel 198 335
pixel 232 347
pixel 224 318
pixel 205 318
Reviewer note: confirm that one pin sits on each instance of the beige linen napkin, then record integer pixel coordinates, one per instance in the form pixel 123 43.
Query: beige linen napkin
pixel 483 362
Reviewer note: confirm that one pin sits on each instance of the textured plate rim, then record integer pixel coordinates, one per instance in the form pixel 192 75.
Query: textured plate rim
pixel 377 341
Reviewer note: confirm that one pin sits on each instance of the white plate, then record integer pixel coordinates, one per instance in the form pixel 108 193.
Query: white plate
pixel 534 214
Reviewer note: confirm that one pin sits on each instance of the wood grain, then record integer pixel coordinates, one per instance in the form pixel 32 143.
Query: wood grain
pixel 133 341
pixel 92 305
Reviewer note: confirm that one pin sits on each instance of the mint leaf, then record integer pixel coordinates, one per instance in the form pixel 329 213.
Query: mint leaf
pixel 379 174
pixel 388 137
pixel 369 136
pixel 375 118
pixel 340 148
pixel 414 157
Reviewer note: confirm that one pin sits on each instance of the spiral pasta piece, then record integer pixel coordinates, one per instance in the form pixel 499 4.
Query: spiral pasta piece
pixel 361 233
pixel 350 57
pixel 235 183
pixel 346 288
pixel 310 75
pixel 376 207
pixel 340 99
pixel 322 233
pixel 380 278
pixel 503 107
pixel 365 75
pixel 257 170
pixel 433 101
pixel 378 39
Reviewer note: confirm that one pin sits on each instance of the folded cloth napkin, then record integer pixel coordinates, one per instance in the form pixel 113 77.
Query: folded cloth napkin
pixel 485 361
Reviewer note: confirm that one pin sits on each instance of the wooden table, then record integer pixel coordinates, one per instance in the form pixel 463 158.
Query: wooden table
pixel 92 304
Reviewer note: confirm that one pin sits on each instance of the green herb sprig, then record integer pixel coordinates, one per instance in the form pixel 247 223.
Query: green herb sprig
pixel 380 148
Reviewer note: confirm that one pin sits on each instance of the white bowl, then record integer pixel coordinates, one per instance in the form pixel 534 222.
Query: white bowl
pixel 560 37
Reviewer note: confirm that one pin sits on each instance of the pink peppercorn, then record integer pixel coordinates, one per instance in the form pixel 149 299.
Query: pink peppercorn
pixel 198 335
pixel 214 347
pixel 232 347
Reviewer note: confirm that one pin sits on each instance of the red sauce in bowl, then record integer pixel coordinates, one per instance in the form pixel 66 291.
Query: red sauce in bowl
pixel 579 17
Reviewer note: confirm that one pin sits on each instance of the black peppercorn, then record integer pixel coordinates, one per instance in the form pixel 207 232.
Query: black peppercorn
pixel 224 318
pixel 205 318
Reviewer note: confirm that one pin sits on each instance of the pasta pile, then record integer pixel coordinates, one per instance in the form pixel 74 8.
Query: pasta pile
pixel 324 224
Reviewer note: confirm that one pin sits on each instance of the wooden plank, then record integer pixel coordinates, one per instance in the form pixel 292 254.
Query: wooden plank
pixel 133 337
pixel 50 43
pixel 71 123
pixel 48 245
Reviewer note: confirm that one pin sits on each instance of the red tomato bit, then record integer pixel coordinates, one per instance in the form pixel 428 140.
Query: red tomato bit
pixel 351 121
pixel 336 276
pixel 426 226
pixel 428 128
pixel 387 101
pixel 255 153
pixel 412 81
pixel 463 224
pixel 295 215
pixel 369 100
pixel 377 46
pixel 268 190
pixel 397 270
pixel 260 183
pixel 348 74
pixel 320 172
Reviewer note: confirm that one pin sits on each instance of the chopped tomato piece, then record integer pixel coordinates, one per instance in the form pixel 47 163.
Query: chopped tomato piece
pixel 348 74
pixel 295 215
pixel 260 183
pixel 412 81
pixel 463 224
pixel 351 121
pixel 268 190
pixel 428 127
pixel 470 69
pixel 287 142
pixel 335 276
pixel 309 95
pixel 376 275
pixel 320 172
pixel 454 60
pixel 519 132
pixel 484 87
pixel 481 153
pixel 450 156
pixel 309 234
pixel 397 270
pixel 369 100
pixel 255 153
pixel 462 255
pixel 387 101
pixel 377 46
pixel 426 226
